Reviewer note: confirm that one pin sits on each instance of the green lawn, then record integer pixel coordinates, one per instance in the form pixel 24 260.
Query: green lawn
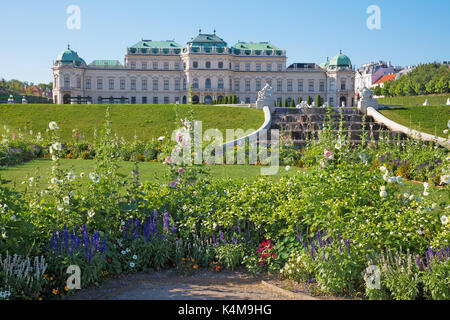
pixel 434 99
pixel 145 121
pixel 429 119
pixel 149 171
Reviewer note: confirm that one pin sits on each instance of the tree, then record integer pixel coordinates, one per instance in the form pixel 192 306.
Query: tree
pixel 309 100
pixel 292 103
pixel 279 103
pixel 442 86
pixel 226 100
pixel 430 87
pixel 419 88
pixel 300 100
pixel 319 100
pixel 286 101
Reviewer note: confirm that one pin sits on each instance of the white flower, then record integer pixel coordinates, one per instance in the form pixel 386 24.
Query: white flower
pixel 433 206
pixel 446 131
pixel 400 180
pixel 383 169
pixel 57 146
pixel 288 168
pixel 425 186
pixel 53 125
pixel 444 220
pixel 406 195
pixel 54 180
pixel 60 207
pixel 161 138
pixel 445 179
pixel 128 250
pixel 66 200
pixel 132 264
pixel 135 257
pixel 82 174
pixel 411 197
pixel 91 214
pixel 94 177
pixel 71 176
pixel 383 194
pixel 123 252
pixel 383 188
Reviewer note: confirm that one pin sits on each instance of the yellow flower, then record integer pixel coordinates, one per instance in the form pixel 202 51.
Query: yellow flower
pixel 196 266
pixel 55 291
pixel 66 288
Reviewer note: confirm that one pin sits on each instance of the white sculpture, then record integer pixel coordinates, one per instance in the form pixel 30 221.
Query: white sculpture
pixel 448 101
pixel 11 99
pixel 24 100
pixel 302 105
pixel 265 98
pixel 425 103
pixel 367 100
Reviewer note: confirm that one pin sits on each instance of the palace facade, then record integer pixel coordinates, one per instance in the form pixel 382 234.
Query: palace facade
pixel 204 70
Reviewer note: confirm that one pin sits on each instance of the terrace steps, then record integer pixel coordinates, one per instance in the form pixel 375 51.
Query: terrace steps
pixel 302 125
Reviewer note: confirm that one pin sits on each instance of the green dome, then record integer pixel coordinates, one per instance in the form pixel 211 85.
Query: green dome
pixel 69 56
pixel 340 61
pixel 325 64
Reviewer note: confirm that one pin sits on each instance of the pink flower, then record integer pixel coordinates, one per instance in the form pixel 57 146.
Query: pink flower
pixel 328 154
pixel 181 170
pixel 169 160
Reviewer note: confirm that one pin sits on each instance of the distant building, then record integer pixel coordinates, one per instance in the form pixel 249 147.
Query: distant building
pixel 368 74
pixel 389 77
pixel 163 72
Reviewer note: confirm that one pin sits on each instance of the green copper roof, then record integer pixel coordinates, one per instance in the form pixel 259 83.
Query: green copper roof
pixel 145 45
pixel 255 46
pixel 325 64
pixel 69 56
pixel 207 39
pixel 106 64
pixel 341 60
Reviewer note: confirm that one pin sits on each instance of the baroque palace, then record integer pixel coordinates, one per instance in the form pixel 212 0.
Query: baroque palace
pixel 206 69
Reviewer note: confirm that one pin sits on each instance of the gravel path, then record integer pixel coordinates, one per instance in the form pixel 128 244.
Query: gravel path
pixel 172 286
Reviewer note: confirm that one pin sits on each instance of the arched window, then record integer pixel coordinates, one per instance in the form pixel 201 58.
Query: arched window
pixel 208 83
pixel 66 82
pixel 56 81
pixel 195 83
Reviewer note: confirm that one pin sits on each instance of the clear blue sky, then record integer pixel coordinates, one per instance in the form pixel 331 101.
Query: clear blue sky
pixel 34 32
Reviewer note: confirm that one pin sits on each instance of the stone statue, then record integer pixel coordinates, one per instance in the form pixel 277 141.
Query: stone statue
pixel 265 98
pixel 425 103
pixel 367 100
pixel 265 93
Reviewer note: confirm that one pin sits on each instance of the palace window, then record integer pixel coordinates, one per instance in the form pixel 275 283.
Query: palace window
pixel 144 84
pixel 195 83
pixel 322 86
pixel 208 83
pixel 166 85
pixel 66 82
pixel 258 67
pixel 166 66
pixel 208 65
pixel 79 83
pixel 237 85
pixel 155 100
pixel 220 65
pixel 99 84
pixel 258 85
pixel 133 84
pixel 155 85
pixel 122 84
pixel 343 84
pixel 133 100
pixel 311 86
pixel 144 65
pixel 111 84
pixel 279 85
pixel 177 84
pixel 289 85
pixel 177 66
pixel 247 67
pixel 331 102
pixel 280 67
pixel 133 65
pixel 184 84
pixel 269 67
pixel 247 85
pixel 332 85
pixel 155 65
pixel 300 86
pixel 88 83
pixel 195 65
pixel 144 100
pixel 166 100
pixel 220 84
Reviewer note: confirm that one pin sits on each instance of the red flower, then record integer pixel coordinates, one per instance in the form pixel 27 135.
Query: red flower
pixel 109 260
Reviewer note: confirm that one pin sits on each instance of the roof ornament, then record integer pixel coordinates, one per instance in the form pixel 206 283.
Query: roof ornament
pixel 199 31
pixel 214 30
pixel 340 51
pixel 68 47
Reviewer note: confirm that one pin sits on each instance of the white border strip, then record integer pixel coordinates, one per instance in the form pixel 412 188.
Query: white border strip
pixel 394 126
pixel 266 125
